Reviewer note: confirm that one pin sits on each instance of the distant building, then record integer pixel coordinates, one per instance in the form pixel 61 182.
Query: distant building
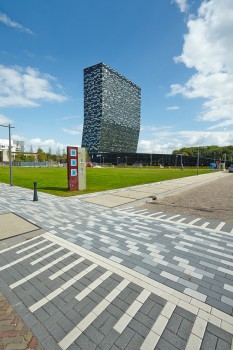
pixel 16 146
pixel 112 107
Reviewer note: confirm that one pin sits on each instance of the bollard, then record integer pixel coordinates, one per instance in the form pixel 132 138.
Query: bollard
pixel 35 197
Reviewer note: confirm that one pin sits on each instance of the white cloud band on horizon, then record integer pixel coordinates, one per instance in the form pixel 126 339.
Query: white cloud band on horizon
pixel 207 49
pixel 26 87
pixel 10 23
pixel 180 139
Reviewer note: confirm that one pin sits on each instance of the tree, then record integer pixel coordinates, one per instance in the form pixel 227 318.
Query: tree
pixel 41 155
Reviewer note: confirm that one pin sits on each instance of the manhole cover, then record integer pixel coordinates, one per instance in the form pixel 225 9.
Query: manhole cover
pixel 13 225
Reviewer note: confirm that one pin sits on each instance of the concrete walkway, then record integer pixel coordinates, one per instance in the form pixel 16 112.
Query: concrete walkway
pixel 101 278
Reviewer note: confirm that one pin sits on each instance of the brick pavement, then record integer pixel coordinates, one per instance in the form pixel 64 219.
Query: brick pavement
pixel 104 280
pixel 14 334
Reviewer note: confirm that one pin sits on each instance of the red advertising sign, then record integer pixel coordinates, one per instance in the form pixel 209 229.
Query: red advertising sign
pixel 72 168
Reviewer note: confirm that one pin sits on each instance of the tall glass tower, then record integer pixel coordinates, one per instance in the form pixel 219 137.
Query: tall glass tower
pixel 112 106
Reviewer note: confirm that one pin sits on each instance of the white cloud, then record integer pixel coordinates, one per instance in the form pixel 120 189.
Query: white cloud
pixel 10 23
pixel 76 130
pixel 160 143
pixel 44 144
pixel 69 117
pixel 4 120
pixel 183 4
pixel 207 49
pixel 26 87
pixel 172 108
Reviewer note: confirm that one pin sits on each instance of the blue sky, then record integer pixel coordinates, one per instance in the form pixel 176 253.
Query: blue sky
pixel 177 51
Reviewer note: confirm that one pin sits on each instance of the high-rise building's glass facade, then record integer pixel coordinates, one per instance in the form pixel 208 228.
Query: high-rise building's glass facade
pixel 112 107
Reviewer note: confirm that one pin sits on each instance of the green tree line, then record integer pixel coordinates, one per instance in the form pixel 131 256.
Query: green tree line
pixel 40 156
pixel 214 152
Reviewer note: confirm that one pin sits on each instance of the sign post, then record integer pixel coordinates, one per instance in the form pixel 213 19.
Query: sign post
pixel 76 168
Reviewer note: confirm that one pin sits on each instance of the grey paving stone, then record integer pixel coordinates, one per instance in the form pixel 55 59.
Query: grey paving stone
pixel 53 319
pixel 124 338
pixel 184 313
pixel 135 342
pixel 145 320
pixel 120 304
pixel 174 339
pixel 66 324
pixel 41 315
pixel 147 306
pixel 155 311
pixel 94 334
pixel 157 299
pixel 108 325
pixel 218 332
pixel 174 285
pixel 115 311
pixel 164 345
pixel 188 284
pixel 131 297
pixel 85 343
pixel 57 332
pixel 209 293
pixel 40 332
pixel 185 329
pixel 138 327
pixel 222 345
pixel 174 323
pixel 157 277
pixel 109 340
pixel 209 341
pixel 219 305
pixel 49 343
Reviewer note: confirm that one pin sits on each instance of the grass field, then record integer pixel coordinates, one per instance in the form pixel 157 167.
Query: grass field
pixel 54 180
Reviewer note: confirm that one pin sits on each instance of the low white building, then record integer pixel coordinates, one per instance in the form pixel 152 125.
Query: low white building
pixel 16 146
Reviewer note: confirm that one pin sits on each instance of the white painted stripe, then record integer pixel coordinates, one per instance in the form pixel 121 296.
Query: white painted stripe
pixel 174 216
pixel 92 286
pixel 180 220
pixel 131 311
pixel 66 268
pixel 204 225
pixel 26 257
pixel 140 211
pixel 194 221
pixel 157 329
pixel 18 245
pixel 158 212
pixel 220 226
pixel 36 273
pixel 59 290
pixel 81 326
pixel 161 216
pixel 31 246
pixel 46 256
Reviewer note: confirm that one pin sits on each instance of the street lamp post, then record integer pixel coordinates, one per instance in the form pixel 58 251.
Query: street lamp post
pixel 10 154
pixel 198 155
pixel 181 159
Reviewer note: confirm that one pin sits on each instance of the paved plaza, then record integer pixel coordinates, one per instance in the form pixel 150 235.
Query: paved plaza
pixel 95 273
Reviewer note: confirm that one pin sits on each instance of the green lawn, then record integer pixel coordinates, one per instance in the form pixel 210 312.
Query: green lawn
pixel 54 180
